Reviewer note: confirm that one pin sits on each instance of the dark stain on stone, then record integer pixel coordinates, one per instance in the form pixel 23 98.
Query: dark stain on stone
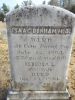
pixel 20 14
pixel 45 11
pixel 66 17
pixel 8 19
pixel 59 86
pixel 54 87
pixel 58 13
pixel 20 86
pixel 66 21
pixel 40 14
pixel 48 87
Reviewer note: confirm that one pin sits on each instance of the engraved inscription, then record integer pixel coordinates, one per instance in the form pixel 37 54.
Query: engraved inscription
pixel 40 30
pixel 40 58
pixel 40 42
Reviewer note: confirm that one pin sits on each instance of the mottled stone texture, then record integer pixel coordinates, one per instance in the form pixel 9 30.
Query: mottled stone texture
pixel 40 42
pixel 38 95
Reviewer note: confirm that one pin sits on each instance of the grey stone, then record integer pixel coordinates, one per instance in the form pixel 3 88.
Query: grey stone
pixel 40 43
pixel 38 95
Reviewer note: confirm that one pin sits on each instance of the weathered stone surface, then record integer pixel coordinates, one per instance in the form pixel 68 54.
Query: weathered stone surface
pixel 38 95
pixel 40 42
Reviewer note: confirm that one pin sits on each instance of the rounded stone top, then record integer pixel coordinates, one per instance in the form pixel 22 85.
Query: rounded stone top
pixel 45 7
pixel 39 15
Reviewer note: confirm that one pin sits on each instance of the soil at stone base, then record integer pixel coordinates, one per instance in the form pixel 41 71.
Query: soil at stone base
pixel 5 70
pixel 71 73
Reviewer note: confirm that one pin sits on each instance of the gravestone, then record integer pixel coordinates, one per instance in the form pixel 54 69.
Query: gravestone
pixel 40 43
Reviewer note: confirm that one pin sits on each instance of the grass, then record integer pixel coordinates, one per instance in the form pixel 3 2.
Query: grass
pixel 4 68
pixel 71 73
